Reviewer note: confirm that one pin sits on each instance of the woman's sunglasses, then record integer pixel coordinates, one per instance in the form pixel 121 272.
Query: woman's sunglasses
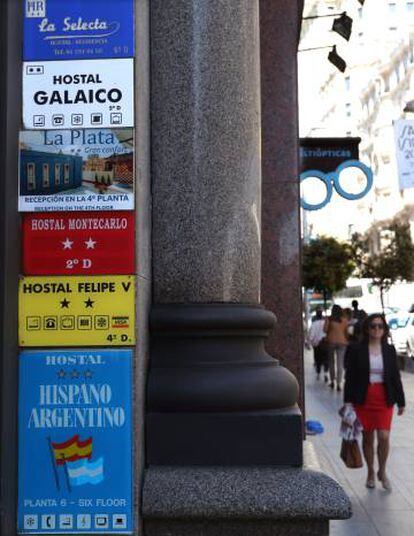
pixel 376 325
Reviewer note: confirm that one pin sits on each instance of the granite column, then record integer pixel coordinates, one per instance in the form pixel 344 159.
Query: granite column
pixel 214 395
pixel 221 413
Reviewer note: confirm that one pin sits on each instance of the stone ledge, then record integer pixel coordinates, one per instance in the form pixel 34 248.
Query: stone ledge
pixel 260 493
pixel 263 527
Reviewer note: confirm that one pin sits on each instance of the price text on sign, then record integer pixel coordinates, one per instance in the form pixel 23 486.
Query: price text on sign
pixel 56 30
pixel 78 243
pixel 74 94
pixel 75 455
pixel 77 311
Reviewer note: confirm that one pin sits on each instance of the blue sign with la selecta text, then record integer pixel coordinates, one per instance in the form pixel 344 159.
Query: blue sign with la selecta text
pixel 75 447
pixel 78 29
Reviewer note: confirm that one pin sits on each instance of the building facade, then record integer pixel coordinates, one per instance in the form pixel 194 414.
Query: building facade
pixel 364 101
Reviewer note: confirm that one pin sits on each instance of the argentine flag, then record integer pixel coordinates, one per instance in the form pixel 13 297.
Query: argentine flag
pixel 86 472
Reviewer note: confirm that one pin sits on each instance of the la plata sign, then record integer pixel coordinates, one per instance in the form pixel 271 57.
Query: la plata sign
pixel 77 169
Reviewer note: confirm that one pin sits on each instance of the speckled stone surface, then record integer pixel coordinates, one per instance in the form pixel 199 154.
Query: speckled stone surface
pixel 237 528
pixel 248 501
pixel 281 263
pixel 242 493
pixel 205 110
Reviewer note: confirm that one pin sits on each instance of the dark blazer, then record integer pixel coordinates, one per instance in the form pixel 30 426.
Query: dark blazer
pixel 357 375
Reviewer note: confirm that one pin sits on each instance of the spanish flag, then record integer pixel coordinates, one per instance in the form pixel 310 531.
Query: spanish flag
pixel 71 450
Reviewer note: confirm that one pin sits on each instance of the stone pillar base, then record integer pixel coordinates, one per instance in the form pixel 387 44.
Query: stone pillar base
pixel 240 501
pixel 215 397
pixel 237 528
pixel 238 439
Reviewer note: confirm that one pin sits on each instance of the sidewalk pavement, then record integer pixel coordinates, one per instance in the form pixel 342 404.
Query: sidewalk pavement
pixel 375 512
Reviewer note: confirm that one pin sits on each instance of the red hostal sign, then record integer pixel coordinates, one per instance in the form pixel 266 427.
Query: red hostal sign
pixel 78 243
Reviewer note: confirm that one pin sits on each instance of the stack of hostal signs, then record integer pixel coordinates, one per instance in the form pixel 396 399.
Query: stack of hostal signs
pixel 77 287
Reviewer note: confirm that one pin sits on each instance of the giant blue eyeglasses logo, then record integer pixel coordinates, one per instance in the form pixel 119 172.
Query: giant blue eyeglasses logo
pixel 332 180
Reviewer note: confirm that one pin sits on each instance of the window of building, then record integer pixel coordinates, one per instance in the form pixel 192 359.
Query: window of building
pixel 46 182
pixel 410 6
pixel 66 173
pixel 392 7
pixel 347 83
pixel 31 176
pixel 392 28
pixel 57 174
pixel 348 109
pixel 360 12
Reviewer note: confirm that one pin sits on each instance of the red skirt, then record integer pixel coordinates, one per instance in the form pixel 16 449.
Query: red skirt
pixel 374 414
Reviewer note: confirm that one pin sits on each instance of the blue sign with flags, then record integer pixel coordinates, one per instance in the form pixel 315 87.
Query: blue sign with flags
pixel 75 447
pixel 78 29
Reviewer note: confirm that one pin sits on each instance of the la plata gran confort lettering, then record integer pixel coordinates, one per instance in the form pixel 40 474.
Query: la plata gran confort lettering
pixel 77 96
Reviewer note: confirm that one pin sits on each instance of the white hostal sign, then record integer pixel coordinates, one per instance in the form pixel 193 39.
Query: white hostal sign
pixel 78 94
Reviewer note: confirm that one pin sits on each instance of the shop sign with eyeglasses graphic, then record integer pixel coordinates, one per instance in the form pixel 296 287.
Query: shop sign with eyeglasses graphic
pixel 317 187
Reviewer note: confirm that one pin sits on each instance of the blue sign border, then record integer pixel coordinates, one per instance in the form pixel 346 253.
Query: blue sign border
pixel 75 442
pixel 78 30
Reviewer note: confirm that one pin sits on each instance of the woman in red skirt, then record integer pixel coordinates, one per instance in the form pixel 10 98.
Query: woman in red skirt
pixel 373 385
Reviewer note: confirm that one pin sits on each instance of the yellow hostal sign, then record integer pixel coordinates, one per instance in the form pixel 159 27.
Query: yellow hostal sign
pixel 77 311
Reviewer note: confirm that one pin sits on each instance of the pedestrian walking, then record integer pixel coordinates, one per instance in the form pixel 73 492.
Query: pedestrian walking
pixel 373 385
pixel 336 329
pixel 317 339
pixel 357 318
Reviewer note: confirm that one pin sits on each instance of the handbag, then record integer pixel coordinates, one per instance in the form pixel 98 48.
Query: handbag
pixel 351 454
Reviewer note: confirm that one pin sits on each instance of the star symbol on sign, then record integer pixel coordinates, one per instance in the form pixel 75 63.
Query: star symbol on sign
pixel 89 302
pixel 61 374
pixel 90 244
pixel 64 303
pixel 75 374
pixel 67 244
pixel 88 374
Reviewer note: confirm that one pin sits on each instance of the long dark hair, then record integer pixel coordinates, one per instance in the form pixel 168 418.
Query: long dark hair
pixel 365 328
pixel 336 313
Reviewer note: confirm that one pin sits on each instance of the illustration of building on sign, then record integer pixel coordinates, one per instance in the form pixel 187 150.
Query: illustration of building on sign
pixel 48 173
pixel 116 169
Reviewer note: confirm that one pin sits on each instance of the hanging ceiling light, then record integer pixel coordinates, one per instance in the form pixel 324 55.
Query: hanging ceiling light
pixel 336 59
pixel 343 26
